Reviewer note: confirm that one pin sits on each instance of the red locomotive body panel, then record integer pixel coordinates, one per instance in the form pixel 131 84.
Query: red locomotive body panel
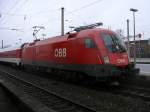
pixel 62 50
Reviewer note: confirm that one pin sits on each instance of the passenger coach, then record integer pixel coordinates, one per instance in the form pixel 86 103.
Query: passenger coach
pixel 11 55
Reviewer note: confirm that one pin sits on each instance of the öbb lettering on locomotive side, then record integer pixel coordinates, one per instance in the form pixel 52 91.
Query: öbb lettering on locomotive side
pixel 94 52
pixel 60 52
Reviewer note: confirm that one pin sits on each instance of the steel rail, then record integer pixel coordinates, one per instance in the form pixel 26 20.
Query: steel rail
pixel 51 92
pixel 138 92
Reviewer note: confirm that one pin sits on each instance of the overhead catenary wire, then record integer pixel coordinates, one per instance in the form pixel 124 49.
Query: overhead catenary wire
pixel 85 6
pixel 28 15
pixel 46 10
pixel 67 13
pixel 10 12
pixel 5 28
pixel 9 28
pixel 78 9
pixel 71 12
pixel 21 5
pixel 10 9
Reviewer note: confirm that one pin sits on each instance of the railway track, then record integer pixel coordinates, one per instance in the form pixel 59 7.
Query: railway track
pixel 135 92
pixel 47 97
pixel 132 91
pixel 125 92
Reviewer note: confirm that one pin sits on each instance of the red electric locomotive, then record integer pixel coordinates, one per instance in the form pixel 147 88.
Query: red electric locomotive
pixel 96 52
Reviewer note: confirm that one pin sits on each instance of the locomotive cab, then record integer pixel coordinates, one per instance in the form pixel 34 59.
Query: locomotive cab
pixel 103 54
pixel 114 55
pixel 114 52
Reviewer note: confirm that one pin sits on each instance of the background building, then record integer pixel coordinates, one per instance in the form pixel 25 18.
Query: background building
pixel 142 49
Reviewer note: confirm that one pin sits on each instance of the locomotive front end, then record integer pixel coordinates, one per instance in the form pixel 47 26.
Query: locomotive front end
pixel 114 55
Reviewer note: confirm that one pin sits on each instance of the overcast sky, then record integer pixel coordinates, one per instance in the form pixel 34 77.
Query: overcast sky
pixel 24 14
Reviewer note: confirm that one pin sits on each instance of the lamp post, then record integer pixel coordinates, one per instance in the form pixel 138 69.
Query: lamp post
pixel 62 21
pixel 134 10
pixel 128 43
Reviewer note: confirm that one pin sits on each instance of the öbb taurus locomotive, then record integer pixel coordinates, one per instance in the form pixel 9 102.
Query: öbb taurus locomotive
pixel 96 52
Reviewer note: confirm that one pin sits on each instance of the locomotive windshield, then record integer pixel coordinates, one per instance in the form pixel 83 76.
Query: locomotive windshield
pixel 113 43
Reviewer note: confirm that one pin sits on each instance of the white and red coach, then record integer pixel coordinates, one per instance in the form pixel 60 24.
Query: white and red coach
pixel 11 55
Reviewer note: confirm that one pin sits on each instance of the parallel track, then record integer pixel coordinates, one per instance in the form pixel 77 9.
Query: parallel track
pixel 58 103
pixel 136 92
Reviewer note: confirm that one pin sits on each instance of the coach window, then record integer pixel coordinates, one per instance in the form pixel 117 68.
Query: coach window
pixel 89 43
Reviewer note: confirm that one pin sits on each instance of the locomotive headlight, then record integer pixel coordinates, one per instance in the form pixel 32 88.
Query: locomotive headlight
pixel 106 59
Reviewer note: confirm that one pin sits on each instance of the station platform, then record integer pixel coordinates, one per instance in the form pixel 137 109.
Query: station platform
pixel 141 60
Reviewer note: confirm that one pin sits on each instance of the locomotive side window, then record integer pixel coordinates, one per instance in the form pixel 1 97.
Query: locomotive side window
pixel 89 43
